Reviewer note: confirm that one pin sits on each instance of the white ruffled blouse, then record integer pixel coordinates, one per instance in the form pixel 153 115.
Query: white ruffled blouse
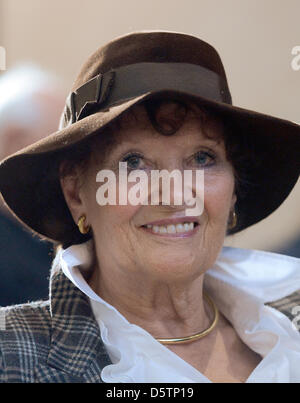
pixel 240 282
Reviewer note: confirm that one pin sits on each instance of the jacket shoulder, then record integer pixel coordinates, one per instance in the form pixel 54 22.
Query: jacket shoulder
pixel 289 306
pixel 24 340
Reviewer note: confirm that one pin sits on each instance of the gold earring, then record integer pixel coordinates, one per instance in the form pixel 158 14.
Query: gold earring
pixel 82 228
pixel 234 220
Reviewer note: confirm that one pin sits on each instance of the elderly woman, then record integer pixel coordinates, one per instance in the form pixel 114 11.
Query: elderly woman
pixel 144 292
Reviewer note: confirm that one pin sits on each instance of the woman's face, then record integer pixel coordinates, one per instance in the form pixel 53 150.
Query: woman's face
pixel 120 231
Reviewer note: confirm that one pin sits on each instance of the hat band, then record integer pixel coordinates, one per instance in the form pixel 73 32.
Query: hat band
pixel 127 82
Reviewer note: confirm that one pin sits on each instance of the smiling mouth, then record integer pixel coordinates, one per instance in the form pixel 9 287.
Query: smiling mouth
pixel 178 230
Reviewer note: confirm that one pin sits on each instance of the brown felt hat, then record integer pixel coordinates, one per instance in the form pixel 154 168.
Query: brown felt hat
pixel 127 71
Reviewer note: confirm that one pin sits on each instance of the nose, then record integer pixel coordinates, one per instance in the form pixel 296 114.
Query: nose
pixel 172 188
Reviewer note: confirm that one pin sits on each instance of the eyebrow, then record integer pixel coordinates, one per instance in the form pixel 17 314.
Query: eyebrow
pixel 217 141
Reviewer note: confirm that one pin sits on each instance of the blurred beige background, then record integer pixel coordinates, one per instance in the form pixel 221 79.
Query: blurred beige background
pixel 254 38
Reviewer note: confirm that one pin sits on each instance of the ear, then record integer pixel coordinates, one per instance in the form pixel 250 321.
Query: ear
pixel 70 185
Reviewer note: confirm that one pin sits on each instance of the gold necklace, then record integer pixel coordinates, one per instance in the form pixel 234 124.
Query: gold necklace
pixel 197 336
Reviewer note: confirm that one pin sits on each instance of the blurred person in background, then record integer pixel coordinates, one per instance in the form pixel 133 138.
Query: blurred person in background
pixel 30 106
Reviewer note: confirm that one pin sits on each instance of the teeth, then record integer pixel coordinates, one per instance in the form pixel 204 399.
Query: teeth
pixel 179 228
pixel 171 229
pixel 162 229
pixel 186 226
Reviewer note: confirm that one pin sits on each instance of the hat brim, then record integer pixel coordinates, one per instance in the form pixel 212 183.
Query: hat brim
pixel 278 149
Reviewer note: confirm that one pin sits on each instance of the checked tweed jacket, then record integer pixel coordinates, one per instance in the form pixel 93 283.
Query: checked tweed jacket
pixel 55 341
pixel 59 341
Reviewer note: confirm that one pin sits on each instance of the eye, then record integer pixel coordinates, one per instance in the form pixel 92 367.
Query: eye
pixel 204 158
pixel 133 161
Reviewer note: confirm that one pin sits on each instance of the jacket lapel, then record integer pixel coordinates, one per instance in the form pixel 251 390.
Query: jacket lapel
pixel 77 353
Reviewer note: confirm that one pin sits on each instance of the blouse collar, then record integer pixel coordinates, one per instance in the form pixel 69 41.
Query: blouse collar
pixel 241 282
